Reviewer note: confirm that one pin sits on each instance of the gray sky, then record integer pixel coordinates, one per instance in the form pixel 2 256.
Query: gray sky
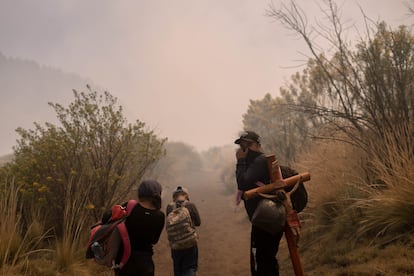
pixel 187 68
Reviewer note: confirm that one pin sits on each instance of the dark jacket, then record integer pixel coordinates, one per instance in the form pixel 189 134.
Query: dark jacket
pixel 144 228
pixel 250 171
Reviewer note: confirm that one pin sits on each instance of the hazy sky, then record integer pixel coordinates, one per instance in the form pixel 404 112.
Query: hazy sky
pixel 187 68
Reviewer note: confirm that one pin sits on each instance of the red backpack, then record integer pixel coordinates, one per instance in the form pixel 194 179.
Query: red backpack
pixel 106 239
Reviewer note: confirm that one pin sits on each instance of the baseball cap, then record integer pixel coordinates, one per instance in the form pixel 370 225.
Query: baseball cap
pixel 249 136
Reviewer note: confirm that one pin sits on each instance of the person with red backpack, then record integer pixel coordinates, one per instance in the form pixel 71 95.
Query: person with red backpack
pixel 182 219
pixel 144 224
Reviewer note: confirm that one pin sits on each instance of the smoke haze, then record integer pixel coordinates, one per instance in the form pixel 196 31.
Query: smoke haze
pixel 186 68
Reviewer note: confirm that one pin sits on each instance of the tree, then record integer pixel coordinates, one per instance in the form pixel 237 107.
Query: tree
pixel 180 160
pixel 284 132
pixel 359 92
pixel 410 7
pixel 93 152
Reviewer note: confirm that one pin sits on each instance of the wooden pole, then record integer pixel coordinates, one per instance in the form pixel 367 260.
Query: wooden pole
pixel 293 251
pixel 290 239
pixel 277 184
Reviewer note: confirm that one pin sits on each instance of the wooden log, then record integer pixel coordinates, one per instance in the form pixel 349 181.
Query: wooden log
pixel 278 184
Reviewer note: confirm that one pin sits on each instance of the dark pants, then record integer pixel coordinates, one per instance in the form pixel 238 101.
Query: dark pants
pixel 139 263
pixel 185 261
pixel 263 250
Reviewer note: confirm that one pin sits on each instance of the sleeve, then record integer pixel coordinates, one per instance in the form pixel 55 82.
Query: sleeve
pixel 195 216
pixel 168 209
pixel 247 175
pixel 160 227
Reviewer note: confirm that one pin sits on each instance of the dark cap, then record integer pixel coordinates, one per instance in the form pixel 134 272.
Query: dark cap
pixel 249 136
pixel 149 188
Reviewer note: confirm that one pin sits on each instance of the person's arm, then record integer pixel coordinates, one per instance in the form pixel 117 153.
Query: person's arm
pixel 158 228
pixel 195 216
pixel 168 209
pixel 248 175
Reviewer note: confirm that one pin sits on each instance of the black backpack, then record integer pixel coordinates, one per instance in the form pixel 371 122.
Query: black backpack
pixel 300 197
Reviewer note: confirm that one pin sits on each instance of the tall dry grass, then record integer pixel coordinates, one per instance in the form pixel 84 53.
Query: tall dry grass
pixel 30 250
pixel 352 225
pixel 334 167
pixel 70 248
pixel 17 243
pixel 387 211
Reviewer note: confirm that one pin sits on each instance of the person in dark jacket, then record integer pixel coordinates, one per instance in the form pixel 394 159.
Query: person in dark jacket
pixel 144 224
pixel 185 260
pixel 252 170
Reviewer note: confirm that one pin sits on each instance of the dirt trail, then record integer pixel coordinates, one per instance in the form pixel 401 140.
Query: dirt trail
pixel 224 231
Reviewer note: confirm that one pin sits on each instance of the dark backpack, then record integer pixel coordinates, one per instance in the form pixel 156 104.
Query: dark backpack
pixel 108 238
pixel 180 229
pixel 300 197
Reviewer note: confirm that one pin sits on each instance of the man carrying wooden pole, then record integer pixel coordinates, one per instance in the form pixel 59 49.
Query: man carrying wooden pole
pixel 252 170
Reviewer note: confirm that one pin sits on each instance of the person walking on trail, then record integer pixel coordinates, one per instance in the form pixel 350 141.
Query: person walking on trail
pixel 251 170
pixel 144 224
pixel 182 219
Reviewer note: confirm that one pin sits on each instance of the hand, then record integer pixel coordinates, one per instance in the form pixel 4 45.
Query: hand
pixel 275 165
pixel 240 153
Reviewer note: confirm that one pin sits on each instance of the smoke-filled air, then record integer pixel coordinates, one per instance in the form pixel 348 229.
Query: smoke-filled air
pixel 283 130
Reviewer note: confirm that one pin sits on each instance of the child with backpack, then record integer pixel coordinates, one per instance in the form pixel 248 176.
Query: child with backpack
pixel 182 219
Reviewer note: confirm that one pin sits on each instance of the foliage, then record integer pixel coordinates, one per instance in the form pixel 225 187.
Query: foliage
pixel 17 243
pixel 366 224
pixel 216 157
pixel 179 159
pixel 70 247
pixel 93 151
pixel 386 211
pixel 282 131
pixel 6 159
pixel 222 159
pixel 362 95
pixel 228 178
pixel 359 92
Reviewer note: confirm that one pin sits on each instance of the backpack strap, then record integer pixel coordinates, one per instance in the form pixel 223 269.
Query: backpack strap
pixel 130 205
pixel 123 231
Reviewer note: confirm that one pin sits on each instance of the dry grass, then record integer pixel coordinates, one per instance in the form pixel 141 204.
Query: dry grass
pixel 386 213
pixel 333 169
pixel 70 248
pixel 17 244
pixel 352 227
pixel 21 251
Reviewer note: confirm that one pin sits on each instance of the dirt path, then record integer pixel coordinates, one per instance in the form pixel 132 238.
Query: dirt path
pixel 224 232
